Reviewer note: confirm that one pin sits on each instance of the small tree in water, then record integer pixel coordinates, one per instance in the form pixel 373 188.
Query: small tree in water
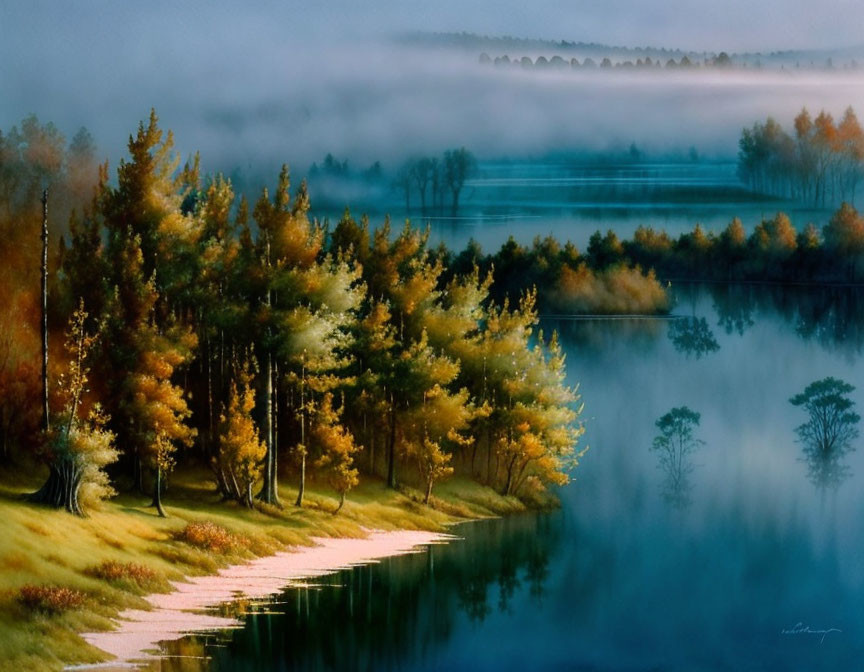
pixel 78 448
pixel 829 431
pixel 676 444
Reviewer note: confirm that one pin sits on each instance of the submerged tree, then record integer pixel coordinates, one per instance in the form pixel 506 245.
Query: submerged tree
pixel 675 444
pixel 459 165
pixel 827 435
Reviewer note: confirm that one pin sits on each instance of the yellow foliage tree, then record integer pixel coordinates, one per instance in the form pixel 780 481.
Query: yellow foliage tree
pixel 241 451
pixel 336 447
pixel 78 447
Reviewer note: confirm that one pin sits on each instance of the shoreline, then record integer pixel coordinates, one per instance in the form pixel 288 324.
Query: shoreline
pixel 187 609
pixel 46 547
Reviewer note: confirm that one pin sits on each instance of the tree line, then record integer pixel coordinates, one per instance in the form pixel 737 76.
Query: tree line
pixel 721 61
pixel 773 251
pixel 821 164
pixel 436 183
pixel 204 329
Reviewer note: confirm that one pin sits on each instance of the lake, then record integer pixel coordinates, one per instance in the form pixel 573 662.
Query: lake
pixel 756 567
pixel 571 199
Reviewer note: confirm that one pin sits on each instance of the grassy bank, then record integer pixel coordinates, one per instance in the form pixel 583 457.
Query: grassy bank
pixel 123 551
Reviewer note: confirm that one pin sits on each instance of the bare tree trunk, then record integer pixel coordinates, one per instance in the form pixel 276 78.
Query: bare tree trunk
pixel 268 492
pixel 45 420
pixel 302 489
pixel 157 494
pixel 391 454
pixel 341 503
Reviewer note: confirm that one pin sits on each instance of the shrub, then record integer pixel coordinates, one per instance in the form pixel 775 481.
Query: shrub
pixel 119 571
pixel 211 537
pixel 49 599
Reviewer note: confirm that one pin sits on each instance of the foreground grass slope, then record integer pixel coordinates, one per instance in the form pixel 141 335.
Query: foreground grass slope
pixel 123 551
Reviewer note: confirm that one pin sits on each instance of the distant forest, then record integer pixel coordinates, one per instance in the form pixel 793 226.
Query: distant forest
pixel 822 164
pixel 496 47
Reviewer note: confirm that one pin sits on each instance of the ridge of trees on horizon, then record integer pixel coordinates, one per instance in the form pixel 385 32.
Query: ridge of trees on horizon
pixel 721 61
pixel 204 329
pixel 714 62
pixel 597 51
pixel 822 164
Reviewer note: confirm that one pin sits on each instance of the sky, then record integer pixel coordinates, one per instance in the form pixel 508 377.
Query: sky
pixel 753 25
pixel 266 80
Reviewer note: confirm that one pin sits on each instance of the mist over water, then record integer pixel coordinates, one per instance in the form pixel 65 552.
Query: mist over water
pixel 292 96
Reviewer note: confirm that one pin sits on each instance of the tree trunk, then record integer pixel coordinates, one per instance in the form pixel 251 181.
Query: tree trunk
pixel 157 494
pixel 45 421
pixel 60 490
pixel 509 483
pixel 341 503
pixel 428 492
pixel 138 473
pixel 269 492
pixel 391 449
pixel 210 450
pixel 302 488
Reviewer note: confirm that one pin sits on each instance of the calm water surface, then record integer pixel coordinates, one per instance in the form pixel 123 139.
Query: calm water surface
pixel 571 200
pixel 622 578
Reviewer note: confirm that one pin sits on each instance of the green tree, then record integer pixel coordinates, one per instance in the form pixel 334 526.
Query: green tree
pixel 458 166
pixel 831 427
pixel 675 445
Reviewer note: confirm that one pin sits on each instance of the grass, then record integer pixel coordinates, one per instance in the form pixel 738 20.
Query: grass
pixel 61 575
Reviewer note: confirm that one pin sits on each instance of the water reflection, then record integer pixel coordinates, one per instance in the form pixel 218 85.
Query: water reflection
pixel 621 578
pixel 833 317
pixel 392 615
pixel 734 306
pixel 675 446
pixel 692 336
pixel 827 436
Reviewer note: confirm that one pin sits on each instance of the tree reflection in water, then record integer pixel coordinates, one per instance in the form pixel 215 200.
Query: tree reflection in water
pixel 692 336
pixel 394 614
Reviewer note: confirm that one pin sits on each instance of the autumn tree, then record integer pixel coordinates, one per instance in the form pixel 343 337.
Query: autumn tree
pixel 241 451
pixel 335 446
pixel 79 446
pixel 844 237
